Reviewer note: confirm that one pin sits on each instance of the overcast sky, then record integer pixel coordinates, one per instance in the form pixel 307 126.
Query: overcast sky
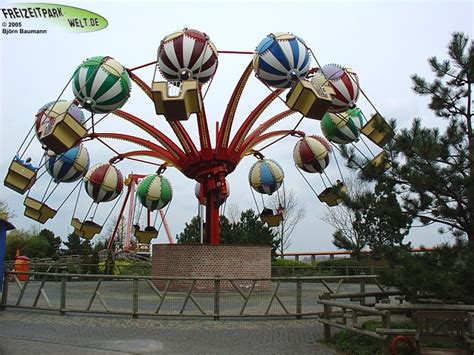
pixel 383 41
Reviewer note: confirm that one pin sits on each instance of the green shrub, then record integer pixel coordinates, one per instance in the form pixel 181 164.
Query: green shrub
pixel 351 343
pixel 287 262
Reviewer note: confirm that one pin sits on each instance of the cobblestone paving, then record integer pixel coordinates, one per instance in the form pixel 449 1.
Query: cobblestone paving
pixel 35 332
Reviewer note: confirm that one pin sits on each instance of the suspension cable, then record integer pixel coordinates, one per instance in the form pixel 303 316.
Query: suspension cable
pixel 306 180
pixel 255 200
pixel 69 195
pixel 113 208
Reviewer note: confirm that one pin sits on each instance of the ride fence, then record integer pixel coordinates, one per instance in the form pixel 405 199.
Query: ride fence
pixel 197 297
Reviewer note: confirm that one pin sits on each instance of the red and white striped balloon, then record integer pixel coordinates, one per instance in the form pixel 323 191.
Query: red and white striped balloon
pixel 187 54
pixel 311 154
pixel 344 82
pixel 103 182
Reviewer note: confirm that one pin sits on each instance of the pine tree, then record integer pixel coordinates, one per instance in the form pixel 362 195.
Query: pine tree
pixel 432 169
pixel 431 180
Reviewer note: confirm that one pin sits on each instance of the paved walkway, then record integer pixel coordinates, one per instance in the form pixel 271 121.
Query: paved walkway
pixel 33 332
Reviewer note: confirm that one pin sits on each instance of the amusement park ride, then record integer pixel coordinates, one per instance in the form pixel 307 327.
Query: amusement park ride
pixel 188 60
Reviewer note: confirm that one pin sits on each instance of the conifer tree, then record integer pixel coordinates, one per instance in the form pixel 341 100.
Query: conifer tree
pixel 432 168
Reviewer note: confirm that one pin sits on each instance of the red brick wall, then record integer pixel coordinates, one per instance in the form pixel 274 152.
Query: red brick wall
pixel 232 261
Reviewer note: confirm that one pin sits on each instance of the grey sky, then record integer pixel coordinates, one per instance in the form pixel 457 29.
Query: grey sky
pixel 383 41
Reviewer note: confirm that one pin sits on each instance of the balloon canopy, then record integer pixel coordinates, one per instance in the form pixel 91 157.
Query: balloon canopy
pixel 103 182
pixel 266 176
pixel 154 192
pixel 69 166
pixel 187 54
pixel 101 84
pixel 344 82
pixel 342 128
pixel 311 154
pixel 50 111
pixel 281 59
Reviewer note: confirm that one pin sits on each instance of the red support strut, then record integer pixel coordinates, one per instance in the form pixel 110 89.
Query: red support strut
pixel 212 219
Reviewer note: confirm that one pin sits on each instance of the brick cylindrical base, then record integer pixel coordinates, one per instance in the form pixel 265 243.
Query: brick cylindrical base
pixel 224 261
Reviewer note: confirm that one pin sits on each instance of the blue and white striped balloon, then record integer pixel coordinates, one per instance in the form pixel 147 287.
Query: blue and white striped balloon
pixel 69 166
pixel 281 59
pixel 266 176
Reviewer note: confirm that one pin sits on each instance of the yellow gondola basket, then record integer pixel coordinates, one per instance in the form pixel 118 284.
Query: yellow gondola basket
pixel 180 106
pixel 86 229
pixel 20 177
pixel 331 195
pixel 378 130
pixel 37 210
pixel 309 101
pixel 63 133
pixel 146 235
pixel 381 160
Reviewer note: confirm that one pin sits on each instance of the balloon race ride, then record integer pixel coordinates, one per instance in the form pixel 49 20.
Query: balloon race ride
pixel 186 64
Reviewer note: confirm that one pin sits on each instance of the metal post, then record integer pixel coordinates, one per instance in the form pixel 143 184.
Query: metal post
pixel 386 324
pixel 297 258
pixel 331 257
pixel 298 298
pixel 362 290
pixel 62 306
pixel 327 316
pixel 4 292
pixel 135 297
pixel 313 259
pixel 4 227
pixel 217 287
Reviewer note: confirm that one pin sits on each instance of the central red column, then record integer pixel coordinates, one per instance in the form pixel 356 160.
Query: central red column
pixel 212 219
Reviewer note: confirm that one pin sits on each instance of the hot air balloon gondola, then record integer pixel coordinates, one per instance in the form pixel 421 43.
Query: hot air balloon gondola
pixel 103 183
pixel 186 59
pixel 21 175
pixel 154 193
pixel 311 154
pixel 378 130
pixel 60 126
pixel 63 168
pixel 101 84
pixel 266 177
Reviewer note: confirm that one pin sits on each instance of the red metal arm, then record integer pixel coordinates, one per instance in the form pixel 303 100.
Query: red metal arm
pixel 250 120
pixel 204 138
pixel 268 135
pixel 141 84
pixel 155 133
pixel 177 127
pixel 160 151
pixel 227 120
pixel 248 142
pixel 184 139
pixel 135 153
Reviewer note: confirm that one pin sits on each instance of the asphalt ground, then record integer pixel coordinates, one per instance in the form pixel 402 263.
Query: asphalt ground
pixel 43 332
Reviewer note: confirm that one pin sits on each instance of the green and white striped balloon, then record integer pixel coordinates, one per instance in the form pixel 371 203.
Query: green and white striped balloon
pixel 342 128
pixel 101 84
pixel 154 192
